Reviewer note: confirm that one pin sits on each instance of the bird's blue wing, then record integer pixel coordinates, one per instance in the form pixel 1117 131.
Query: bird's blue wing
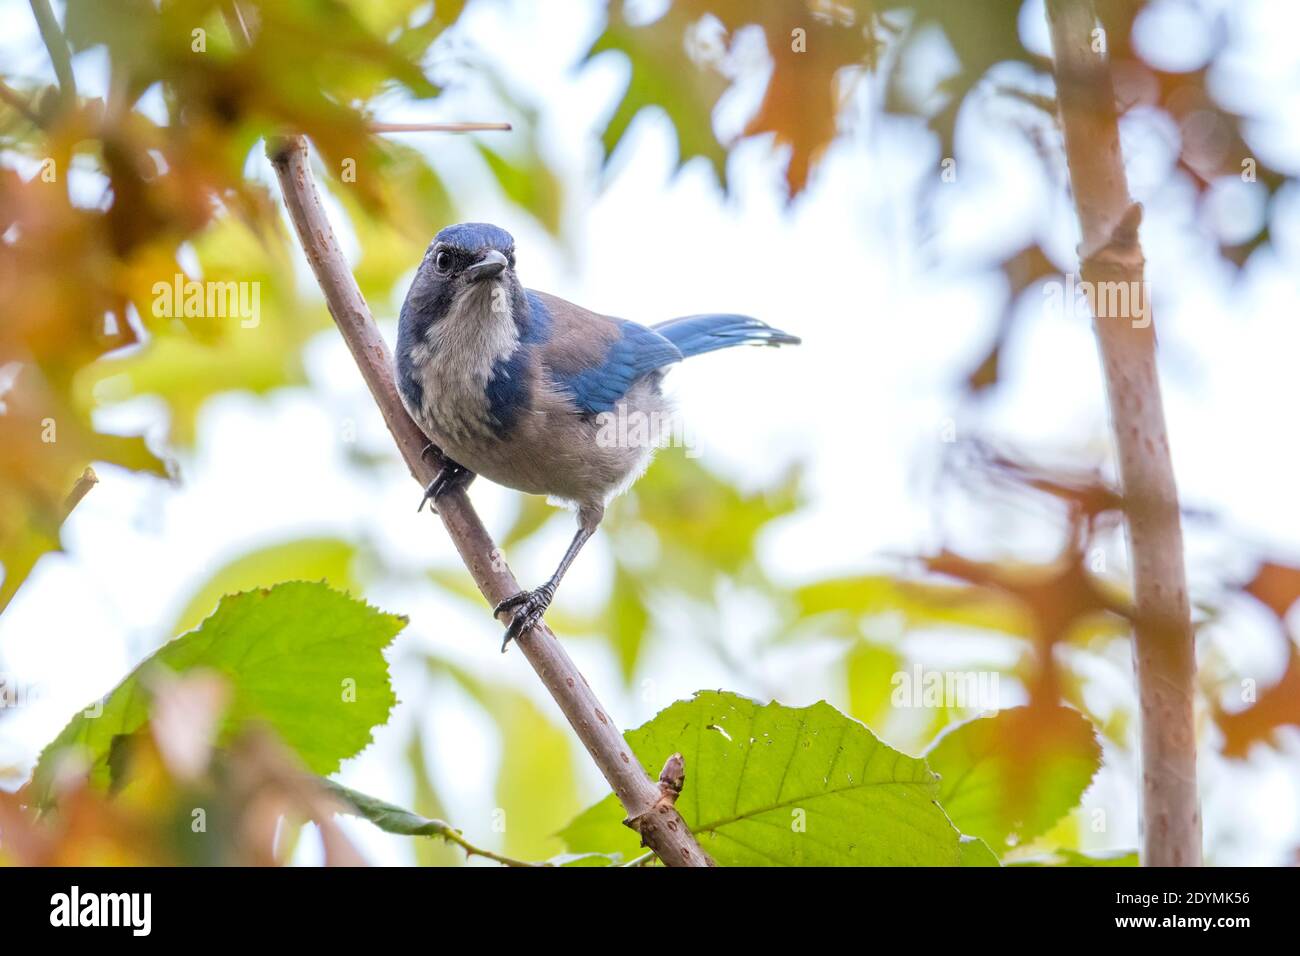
pixel 637 351
pixel 594 358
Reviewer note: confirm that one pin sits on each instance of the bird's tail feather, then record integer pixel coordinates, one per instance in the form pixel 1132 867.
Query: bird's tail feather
pixel 697 334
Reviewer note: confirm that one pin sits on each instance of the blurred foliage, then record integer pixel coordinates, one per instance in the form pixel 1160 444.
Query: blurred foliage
pixel 106 200
pixel 1277 587
pixel 306 660
pixel 533 749
pixel 684 61
pixel 427 803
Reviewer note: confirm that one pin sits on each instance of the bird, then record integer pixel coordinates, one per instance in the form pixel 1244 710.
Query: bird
pixel 525 389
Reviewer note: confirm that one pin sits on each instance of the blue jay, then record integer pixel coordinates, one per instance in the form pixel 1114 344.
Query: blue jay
pixel 517 385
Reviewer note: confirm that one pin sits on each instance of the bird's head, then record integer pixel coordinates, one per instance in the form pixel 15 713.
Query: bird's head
pixel 468 254
pixel 466 274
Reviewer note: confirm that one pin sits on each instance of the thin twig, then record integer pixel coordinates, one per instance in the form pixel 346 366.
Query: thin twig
pixel 80 489
pixel 435 127
pixel 394 819
pixel 452 835
pixel 657 820
pixel 57 45
pixel 16 100
pixel 1164 650
pixel 236 24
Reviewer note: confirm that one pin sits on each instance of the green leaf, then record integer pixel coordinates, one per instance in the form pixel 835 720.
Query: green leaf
pixel 599 829
pixel 975 852
pixel 1063 857
pixel 785 786
pixel 303 658
pixel 584 859
pixel 387 816
pixel 1008 778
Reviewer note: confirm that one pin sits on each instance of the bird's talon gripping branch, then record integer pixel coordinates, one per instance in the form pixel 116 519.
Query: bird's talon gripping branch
pixel 451 476
pixel 531 606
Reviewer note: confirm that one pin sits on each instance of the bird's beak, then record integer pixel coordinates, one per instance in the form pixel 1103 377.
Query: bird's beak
pixel 488 266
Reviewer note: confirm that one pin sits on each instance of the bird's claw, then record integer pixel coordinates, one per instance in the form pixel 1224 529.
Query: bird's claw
pixel 531 605
pixel 448 477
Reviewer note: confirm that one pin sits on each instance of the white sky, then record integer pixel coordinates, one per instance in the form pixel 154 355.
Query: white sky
pixel 892 319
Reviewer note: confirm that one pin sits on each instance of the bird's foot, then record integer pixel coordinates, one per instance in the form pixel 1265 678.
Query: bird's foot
pixel 530 605
pixel 451 476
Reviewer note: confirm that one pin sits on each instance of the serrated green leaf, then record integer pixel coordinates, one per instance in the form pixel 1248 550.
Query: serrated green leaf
pixel 300 657
pixel 786 786
pixel 1009 777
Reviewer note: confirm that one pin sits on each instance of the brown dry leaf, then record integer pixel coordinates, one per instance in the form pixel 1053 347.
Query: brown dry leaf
pixel 1278 706
pixel 1276 585
pixel 1056 597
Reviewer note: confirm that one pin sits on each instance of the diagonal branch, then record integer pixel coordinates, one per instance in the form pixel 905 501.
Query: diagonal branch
pixel 1164 650
pixel 52 36
pixel 655 818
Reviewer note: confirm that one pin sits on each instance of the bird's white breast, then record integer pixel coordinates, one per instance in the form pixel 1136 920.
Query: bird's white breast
pixel 457 358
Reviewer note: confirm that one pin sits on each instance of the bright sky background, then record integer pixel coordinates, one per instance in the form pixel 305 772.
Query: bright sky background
pixel 892 315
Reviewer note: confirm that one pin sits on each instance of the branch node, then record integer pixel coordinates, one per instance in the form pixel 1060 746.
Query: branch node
pixel 1121 255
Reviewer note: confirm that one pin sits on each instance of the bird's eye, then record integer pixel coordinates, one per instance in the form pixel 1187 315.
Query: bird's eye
pixel 442 261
